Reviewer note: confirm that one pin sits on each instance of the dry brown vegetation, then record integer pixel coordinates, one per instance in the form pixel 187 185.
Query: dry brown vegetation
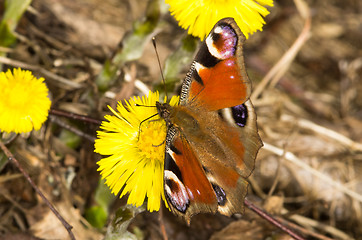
pixel 309 108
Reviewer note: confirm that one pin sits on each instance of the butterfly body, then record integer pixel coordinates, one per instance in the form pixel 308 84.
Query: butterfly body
pixel 212 137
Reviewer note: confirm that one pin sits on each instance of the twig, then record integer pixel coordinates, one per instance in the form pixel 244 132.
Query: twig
pixel 65 83
pixel 276 178
pixel 5 50
pixel 74 116
pixel 283 64
pixel 303 230
pixel 8 197
pixel 271 219
pixel 292 158
pixel 5 178
pixel 71 129
pixel 162 224
pixel 11 158
pixel 355 146
pixel 307 222
pixel 56 112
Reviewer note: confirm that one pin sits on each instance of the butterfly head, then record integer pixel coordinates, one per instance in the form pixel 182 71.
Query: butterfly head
pixel 164 111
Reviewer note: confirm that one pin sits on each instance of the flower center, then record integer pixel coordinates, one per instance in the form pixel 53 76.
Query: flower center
pixel 17 96
pixel 152 138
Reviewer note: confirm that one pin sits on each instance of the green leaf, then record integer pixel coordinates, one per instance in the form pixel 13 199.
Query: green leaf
pixel 70 139
pixel 97 215
pixel 103 195
pixel 14 10
pixel 117 229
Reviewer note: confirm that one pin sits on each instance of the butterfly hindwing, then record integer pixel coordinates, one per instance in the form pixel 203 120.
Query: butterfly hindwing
pixel 243 117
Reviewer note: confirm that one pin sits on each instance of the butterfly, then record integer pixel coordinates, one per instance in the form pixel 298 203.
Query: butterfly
pixel 212 137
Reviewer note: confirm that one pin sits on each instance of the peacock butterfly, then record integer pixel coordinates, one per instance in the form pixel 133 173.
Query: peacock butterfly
pixel 212 137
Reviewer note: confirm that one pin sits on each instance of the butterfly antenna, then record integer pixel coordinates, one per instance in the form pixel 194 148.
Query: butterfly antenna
pixel 144 120
pixel 159 64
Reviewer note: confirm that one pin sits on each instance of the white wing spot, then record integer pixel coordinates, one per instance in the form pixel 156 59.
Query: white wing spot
pixel 218 30
pixel 198 67
pixel 212 49
pixel 181 197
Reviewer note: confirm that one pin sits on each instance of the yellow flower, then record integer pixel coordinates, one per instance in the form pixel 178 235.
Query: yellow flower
pixel 135 143
pixel 201 15
pixel 24 102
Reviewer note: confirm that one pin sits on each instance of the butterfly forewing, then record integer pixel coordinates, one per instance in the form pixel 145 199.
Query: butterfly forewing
pixel 217 78
pixel 187 189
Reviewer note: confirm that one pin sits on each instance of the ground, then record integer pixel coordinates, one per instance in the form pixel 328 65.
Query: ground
pixel 308 105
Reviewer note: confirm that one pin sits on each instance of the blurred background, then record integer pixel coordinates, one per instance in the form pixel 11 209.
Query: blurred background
pixel 309 116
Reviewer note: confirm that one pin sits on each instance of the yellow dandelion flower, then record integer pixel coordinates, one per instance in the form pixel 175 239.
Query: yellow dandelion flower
pixel 24 102
pixel 201 15
pixel 136 149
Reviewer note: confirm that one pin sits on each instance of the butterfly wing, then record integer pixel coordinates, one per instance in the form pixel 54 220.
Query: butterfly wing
pixel 187 189
pixel 217 78
pixel 243 118
pixel 213 140
pixel 217 81
pixel 200 171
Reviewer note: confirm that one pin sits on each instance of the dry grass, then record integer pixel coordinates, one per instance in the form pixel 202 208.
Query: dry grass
pixel 306 69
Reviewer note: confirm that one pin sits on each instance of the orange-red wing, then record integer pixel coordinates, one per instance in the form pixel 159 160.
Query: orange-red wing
pixel 187 189
pixel 217 78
